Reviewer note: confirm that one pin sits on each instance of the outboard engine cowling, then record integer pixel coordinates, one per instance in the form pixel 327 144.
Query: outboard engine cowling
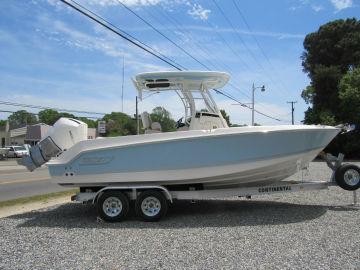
pixel 65 133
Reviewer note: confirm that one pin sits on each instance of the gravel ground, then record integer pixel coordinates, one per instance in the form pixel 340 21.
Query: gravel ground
pixel 310 230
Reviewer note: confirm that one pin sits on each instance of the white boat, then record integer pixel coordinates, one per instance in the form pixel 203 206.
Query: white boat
pixel 204 152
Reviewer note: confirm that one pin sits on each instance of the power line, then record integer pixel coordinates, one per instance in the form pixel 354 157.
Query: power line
pixel 46 108
pixel 238 35
pixel 258 43
pixel 243 42
pixel 6 111
pixel 223 40
pixel 92 13
pixel 178 26
pixel 201 47
pixel 101 21
pixel 228 45
pixel 163 35
pixel 121 33
pixel 246 106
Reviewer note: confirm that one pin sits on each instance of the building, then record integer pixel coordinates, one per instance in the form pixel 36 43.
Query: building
pixel 4 135
pixel 35 133
pixel 92 134
pixel 17 136
pixel 30 134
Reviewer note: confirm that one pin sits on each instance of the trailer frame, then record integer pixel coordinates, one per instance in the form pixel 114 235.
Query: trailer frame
pixel 133 191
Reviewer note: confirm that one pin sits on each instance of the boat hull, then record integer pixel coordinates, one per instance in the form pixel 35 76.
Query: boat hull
pixel 223 157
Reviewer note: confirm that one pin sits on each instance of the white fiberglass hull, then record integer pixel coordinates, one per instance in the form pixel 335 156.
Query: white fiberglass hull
pixel 222 157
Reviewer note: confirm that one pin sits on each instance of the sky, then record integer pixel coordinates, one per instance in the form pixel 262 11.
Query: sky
pixel 50 55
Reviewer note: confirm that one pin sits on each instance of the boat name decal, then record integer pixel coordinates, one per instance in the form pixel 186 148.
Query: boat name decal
pixel 95 160
pixel 274 189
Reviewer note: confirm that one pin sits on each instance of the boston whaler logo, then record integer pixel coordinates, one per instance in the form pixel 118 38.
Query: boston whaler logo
pixel 274 189
pixel 95 160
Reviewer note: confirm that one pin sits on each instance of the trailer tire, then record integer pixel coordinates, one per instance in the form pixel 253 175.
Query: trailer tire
pixel 112 206
pixel 151 205
pixel 347 176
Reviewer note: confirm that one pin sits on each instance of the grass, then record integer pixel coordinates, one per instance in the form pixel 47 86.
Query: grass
pixel 38 198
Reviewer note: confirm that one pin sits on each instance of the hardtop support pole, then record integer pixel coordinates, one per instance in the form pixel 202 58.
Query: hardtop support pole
pixel 137 117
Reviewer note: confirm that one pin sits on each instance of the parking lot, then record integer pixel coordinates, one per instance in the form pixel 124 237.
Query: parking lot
pixel 310 230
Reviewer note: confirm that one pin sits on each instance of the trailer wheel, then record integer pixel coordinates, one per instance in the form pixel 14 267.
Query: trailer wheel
pixel 348 177
pixel 151 205
pixel 113 206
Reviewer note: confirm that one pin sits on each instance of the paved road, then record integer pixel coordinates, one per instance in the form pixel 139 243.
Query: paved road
pixel 17 182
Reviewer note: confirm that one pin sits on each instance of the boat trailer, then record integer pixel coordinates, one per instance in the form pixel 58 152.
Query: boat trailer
pixel 151 201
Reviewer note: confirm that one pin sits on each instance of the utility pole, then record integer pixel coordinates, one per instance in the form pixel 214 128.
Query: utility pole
pixel 253 101
pixel 292 110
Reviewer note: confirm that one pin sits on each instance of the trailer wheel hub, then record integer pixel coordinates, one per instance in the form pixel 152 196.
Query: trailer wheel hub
pixel 112 206
pixel 151 206
pixel 351 177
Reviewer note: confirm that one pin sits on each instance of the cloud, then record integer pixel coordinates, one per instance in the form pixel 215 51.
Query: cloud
pixel 104 42
pixel 306 3
pixel 277 35
pixel 61 33
pixel 317 8
pixel 293 8
pixel 198 12
pixel 341 4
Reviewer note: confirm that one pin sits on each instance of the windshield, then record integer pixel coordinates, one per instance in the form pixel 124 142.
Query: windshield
pixel 19 148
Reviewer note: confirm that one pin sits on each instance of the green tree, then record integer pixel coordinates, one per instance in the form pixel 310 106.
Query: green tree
pixel 3 123
pixel 329 53
pixel 161 115
pixel 238 125
pixel 336 43
pixel 48 116
pixel 226 117
pixel 307 94
pixel 331 59
pixel 67 115
pixel 91 123
pixel 21 118
pixel 349 94
pixel 119 124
